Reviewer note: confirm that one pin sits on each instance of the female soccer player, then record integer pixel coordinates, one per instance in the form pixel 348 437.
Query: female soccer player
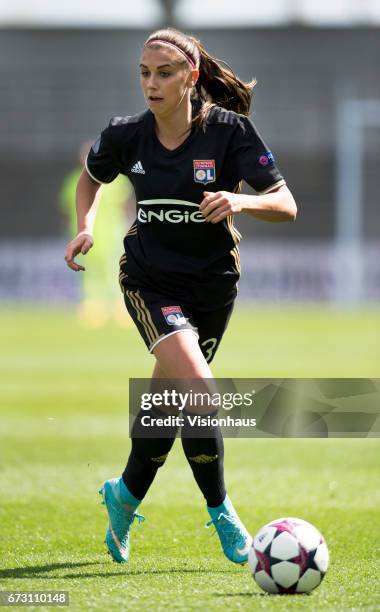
pixel 185 156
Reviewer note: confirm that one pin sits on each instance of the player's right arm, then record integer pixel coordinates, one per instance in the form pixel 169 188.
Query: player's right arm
pixel 101 167
pixel 87 201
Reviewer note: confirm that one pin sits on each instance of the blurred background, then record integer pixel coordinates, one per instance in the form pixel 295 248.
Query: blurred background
pixel 66 68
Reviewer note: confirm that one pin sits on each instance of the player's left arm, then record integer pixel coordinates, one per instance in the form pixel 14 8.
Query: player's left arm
pixel 276 206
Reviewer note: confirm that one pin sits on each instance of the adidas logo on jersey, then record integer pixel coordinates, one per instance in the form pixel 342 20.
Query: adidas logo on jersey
pixel 137 168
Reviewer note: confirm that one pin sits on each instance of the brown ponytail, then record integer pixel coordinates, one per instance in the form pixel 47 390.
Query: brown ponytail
pixel 217 84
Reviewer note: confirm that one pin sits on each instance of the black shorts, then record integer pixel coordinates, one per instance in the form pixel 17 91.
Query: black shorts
pixel 157 316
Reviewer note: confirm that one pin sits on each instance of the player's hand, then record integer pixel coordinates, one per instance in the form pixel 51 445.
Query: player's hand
pixel 217 206
pixel 82 243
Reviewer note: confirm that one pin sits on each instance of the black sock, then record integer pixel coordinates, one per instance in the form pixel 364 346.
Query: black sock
pixel 205 456
pixel 147 454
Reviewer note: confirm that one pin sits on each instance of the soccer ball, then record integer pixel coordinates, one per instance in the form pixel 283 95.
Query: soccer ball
pixel 288 555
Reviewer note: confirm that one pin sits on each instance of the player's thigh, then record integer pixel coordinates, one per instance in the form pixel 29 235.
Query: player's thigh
pixel 170 333
pixel 180 356
pixel 183 362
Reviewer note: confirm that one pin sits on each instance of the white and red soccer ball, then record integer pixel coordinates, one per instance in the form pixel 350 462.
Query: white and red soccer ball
pixel 288 555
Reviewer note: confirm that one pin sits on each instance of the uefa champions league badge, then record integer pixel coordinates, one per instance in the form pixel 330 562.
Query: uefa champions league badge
pixel 173 315
pixel 204 170
pixel 266 159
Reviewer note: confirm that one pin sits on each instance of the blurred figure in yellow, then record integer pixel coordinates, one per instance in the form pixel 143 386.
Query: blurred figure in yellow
pixel 101 298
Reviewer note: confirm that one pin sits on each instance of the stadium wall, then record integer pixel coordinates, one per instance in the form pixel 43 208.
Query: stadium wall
pixel 272 271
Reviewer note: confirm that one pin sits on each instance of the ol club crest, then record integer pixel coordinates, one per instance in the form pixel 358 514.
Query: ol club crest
pixel 174 315
pixel 204 170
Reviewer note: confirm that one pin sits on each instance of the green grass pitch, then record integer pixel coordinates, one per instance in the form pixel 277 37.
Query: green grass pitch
pixel 63 431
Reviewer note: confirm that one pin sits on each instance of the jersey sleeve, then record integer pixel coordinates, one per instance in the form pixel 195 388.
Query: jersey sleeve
pixel 252 159
pixel 101 162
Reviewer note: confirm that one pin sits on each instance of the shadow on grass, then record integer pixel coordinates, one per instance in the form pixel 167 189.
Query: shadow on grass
pixel 41 571
pixel 245 594
pixel 266 595
pixel 29 571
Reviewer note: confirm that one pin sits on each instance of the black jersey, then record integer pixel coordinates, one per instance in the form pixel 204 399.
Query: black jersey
pixel 170 247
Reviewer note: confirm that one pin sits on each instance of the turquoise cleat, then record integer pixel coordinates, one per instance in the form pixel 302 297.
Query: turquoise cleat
pixel 234 537
pixel 121 516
